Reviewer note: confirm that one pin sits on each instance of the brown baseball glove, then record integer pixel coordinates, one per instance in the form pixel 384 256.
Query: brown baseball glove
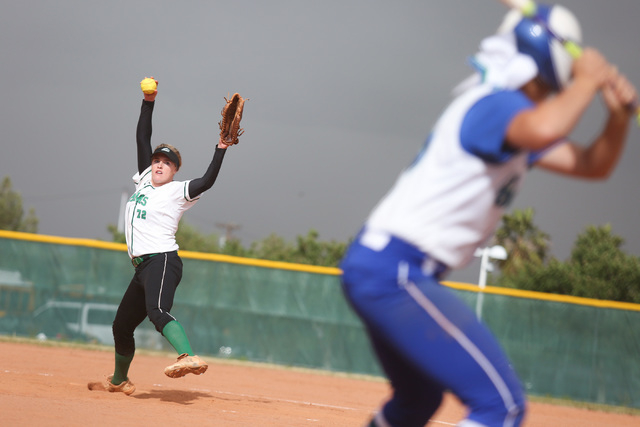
pixel 230 128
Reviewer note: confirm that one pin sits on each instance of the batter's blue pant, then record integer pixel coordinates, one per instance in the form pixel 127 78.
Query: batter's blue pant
pixel 427 340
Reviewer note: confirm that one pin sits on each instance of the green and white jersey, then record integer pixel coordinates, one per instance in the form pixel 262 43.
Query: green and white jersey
pixel 153 213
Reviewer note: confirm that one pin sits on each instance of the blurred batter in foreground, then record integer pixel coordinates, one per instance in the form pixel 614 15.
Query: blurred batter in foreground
pixel 514 113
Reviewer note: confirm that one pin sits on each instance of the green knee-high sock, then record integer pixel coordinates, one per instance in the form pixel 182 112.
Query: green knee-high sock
pixel 122 368
pixel 177 337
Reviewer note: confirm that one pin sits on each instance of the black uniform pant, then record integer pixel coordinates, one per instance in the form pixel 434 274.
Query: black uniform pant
pixel 150 293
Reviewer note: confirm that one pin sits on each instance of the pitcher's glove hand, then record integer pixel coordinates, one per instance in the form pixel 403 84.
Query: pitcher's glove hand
pixel 230 128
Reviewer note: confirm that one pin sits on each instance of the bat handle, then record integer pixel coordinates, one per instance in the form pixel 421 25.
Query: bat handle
pixel 526 7
pixel 529 8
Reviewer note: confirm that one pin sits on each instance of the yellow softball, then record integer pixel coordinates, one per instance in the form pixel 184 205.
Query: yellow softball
pixel 148 85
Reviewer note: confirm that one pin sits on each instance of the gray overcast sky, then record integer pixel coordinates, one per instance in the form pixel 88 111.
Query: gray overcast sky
pixel 342 95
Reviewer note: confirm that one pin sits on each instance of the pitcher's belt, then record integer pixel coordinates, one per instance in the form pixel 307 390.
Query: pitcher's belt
pixel 140 259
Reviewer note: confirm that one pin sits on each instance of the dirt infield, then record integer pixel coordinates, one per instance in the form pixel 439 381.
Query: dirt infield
pixel 47 386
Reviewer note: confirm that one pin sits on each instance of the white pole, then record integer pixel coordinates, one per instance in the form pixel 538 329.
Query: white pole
pixel 496 252
pixel 123 203
pixel 482 281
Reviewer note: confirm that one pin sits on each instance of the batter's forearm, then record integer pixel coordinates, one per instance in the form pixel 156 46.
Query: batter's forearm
pixel 605 152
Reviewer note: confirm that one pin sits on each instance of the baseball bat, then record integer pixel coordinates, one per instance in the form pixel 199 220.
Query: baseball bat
pixel 529 9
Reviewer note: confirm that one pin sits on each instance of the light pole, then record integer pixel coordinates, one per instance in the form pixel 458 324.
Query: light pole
pixel 485 254
pixel 123 203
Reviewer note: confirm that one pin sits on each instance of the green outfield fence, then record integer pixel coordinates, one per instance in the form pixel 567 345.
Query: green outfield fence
pixel 291 314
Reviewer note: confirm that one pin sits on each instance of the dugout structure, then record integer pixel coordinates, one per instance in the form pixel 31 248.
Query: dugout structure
pixel 291 314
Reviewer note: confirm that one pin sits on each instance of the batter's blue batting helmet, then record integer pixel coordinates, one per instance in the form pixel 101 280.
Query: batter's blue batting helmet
pixel 540 38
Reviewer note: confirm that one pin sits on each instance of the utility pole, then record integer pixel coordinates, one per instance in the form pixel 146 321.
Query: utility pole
pixel 228 228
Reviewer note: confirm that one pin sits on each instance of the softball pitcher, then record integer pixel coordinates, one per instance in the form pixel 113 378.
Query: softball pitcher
pixel 449 201
pixel 152 216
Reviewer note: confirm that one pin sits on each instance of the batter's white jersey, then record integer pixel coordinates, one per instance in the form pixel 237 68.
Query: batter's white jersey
pixel 153 213
pixel 451 199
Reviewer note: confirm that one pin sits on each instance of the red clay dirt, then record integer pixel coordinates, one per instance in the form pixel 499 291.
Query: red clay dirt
pixel 47 386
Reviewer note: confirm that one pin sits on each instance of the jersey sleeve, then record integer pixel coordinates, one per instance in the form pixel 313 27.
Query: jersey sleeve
pixel 484 127
pixel 198 186
pixel 143 135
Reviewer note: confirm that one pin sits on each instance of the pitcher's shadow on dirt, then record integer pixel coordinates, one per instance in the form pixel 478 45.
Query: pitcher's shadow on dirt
pixel 183 397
